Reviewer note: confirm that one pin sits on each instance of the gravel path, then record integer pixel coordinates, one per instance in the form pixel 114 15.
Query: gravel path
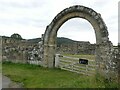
pixel 7 83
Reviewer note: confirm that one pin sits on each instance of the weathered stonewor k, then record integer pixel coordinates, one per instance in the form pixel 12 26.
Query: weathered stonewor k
pixel 104 47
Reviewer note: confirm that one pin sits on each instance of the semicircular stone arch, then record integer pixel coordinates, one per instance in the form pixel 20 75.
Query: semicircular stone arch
pixel 103 45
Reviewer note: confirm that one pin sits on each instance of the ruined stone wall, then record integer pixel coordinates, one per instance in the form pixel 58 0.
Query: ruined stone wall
pixel 22 50
pixel 16 50
pixel 76 48
pixel 117 61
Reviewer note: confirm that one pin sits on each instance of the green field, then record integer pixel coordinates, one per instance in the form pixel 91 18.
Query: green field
pixel 33 76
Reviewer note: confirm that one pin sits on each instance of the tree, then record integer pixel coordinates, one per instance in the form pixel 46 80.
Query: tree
pixel 16 36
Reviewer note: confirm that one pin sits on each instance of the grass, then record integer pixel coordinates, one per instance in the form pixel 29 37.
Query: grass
pixel 0 67
pixel 33 76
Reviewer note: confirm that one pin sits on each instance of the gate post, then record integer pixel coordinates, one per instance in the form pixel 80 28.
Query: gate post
pixel 57 60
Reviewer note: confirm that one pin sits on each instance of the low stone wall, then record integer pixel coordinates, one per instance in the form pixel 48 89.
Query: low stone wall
pixel 16 50
pixel 23 50
pixel 20 51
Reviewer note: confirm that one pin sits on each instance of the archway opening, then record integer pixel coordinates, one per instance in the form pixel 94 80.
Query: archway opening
pixel 76 43
pixel 76 38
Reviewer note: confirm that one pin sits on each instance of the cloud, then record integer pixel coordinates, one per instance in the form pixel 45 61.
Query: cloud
pixel 23 3
pixel 119 22
pixel 77 29
pixel 25 32
pixel 30 17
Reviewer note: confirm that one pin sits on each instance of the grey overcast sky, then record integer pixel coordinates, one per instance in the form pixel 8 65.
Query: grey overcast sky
pixel 29 18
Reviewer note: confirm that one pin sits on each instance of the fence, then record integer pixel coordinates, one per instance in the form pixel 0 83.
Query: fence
pixel 81 66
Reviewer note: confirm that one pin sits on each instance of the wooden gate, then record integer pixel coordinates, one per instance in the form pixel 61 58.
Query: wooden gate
pixel 78 65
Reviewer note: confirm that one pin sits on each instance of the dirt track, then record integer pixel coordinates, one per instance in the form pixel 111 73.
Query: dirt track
pixel 7 83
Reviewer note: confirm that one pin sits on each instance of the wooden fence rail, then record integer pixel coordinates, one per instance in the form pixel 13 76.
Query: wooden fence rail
pixel 73 64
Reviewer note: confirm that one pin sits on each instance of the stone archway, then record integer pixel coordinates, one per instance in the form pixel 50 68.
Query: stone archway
pixel 103 45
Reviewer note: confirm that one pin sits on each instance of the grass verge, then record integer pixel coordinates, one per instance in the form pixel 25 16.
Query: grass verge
pixel 33 76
